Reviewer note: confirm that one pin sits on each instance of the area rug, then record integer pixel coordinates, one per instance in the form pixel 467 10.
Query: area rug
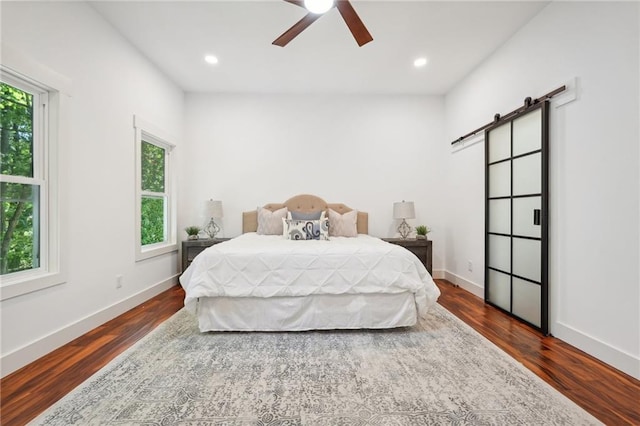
pixel 439 372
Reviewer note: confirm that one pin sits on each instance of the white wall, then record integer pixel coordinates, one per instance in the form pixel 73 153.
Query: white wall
pixel 594 184
pixel 364 151
pixel 110 82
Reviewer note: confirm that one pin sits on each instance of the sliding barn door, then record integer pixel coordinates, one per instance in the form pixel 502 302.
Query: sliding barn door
pixel 516 215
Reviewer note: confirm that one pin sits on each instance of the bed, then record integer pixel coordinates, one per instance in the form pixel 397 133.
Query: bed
pixel 272 280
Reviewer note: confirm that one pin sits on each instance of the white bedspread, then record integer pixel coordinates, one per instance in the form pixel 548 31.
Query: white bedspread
pixel 253 265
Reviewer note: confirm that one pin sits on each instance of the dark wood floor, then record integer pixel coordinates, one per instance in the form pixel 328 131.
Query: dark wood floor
pixel 608 394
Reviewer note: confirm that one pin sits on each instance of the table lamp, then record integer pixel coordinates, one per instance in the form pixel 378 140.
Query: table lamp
pixel 404 210
pixel 213 211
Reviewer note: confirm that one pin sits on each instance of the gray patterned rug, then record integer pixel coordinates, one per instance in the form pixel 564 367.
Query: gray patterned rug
pixel 439 372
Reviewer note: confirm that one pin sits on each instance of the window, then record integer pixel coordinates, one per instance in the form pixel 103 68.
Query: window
pixel 153 227
pixel 22 183
pixel 29 218
pixel 155 213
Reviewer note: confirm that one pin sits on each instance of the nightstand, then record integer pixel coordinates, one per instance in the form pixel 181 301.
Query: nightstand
pixel 191 248
pixel 421 248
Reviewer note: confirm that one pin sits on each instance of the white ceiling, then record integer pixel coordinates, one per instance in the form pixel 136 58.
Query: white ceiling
pixel 455 36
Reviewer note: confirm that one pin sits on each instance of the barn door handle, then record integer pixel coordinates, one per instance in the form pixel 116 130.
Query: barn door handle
pixel 536 217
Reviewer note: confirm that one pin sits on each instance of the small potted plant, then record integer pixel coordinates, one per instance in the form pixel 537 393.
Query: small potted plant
pixel 422 231
pixel 192 232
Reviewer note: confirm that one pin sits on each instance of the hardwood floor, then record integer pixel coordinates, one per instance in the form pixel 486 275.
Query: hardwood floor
pixel 32 389
pixel 606 393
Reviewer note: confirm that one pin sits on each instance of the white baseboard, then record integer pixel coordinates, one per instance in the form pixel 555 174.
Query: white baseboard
pixel 470 286
pixel 25 355
pixel 617 358
pixel 438 274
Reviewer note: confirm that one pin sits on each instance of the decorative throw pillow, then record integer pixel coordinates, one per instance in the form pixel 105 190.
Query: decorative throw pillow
pixel 305 216
pixel 270 223
pixel 343 225
pixel 307 229
pixel 324 226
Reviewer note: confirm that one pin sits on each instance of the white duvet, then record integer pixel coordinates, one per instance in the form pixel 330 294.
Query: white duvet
pixel 253 265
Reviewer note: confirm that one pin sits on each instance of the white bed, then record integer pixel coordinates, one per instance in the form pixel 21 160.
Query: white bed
pixel 270 283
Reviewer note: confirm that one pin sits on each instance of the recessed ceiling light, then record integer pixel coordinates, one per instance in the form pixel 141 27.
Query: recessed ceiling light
pixel 210 59
pixel 420 62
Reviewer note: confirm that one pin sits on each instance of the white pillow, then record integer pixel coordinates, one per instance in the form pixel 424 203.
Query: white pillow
pixel 270 223
pixel 343 225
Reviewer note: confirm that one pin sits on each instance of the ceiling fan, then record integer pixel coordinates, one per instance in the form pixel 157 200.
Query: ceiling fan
pixel 346 10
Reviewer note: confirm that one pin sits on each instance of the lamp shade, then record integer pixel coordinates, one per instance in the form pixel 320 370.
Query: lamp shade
pixel 404 210
pixel 214 209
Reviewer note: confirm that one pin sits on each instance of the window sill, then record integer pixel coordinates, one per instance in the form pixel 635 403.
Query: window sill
pixel 155 250
pixel 28 282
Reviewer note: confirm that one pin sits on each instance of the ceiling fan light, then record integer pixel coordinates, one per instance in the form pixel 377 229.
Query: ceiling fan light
pixel 318 6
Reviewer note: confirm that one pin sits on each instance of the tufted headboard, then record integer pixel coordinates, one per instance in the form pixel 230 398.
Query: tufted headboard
pixel 304 203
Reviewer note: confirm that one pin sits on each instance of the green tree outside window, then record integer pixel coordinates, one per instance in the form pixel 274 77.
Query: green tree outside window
pixel 153 203
pixel 19 249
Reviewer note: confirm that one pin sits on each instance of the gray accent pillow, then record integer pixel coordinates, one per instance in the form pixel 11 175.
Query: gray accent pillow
pixel 306 216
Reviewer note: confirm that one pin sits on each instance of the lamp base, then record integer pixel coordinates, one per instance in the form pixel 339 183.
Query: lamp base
pixel 211 229
pixel 404 229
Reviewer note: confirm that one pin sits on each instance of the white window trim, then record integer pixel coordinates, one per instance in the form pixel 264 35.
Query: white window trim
pixel 158 137
pixel 52 270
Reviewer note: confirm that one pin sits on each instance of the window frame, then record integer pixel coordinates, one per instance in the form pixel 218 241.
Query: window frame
pixel 26 74
pixel 144 131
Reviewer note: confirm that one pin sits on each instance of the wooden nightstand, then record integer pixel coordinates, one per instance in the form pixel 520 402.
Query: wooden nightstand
pixel 421 248
pixel 191 248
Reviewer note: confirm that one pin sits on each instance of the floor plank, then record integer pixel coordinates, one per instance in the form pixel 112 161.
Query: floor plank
pixel 608 394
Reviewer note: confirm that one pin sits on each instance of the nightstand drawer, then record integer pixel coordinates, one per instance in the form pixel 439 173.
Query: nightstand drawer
pixel 192 248
pixel 192 252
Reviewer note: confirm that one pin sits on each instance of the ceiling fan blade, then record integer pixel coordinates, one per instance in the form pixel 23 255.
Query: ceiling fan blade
pixel 296 29
pixel 353 21
pixel 296 2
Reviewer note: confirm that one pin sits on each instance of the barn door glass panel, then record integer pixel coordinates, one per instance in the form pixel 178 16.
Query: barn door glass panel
pixel 527 174
pixel 525 214
pixel 499 253
pixel 500 216
pixel 500 290
pixel 527 131
pixel 500 142
pixel 516 215
pixel 526 301
pixel 500 178
pixel 526 258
